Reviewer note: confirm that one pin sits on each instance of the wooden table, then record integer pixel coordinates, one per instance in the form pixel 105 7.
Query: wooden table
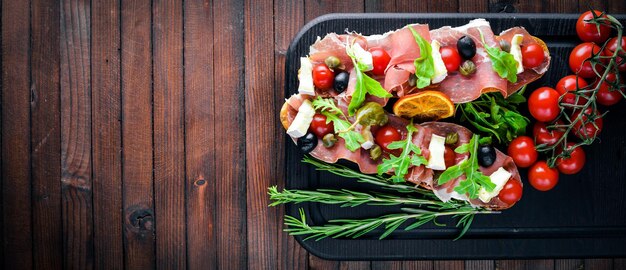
pixel 141 135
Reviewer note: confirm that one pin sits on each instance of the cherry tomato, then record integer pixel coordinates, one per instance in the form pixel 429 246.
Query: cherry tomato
pixel 610 48
pixel 578 60
pixel 319 127
pixel 449 157
pixel 323 77
pixel 607 95
pixel 532 55
pixel 511 192
pixel 380 59
pixel 543 104
pixel 386 135
pixel 544 136
pixel 568 84
pixel 451 58
pixel 522 151
pixel 574 163
pixel 588 31
pixel 542 177
pixel 588 130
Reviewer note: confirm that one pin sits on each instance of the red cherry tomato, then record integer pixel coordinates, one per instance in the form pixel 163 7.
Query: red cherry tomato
pixel 610 48
pixel 522 151
pixel 588 31
pixel 542 177
pixel 543 104
pixel 449 157
pixel 608 95
pixel 380 59
pixel 578 60
pixel 568 84
pixel 323 77
pixel 451 58
pixel 544 136
pixel 574 163
pixel 532 55
pixel 386 135
pixel 588 130
pixel 511 192
pixel 319 127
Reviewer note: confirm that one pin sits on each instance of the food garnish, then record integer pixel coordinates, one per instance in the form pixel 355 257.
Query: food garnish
pixel 425 106
pixel 411 156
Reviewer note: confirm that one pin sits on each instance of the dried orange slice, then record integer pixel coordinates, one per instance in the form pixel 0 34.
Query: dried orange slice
pixel 424 106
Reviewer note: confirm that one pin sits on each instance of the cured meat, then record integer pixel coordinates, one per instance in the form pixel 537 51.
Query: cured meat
pixel 529 75
pixel 459 88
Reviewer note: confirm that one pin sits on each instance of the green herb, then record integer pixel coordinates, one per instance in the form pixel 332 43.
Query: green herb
pixel 502 62
pixel 364 83
pixel 340 122
pixel 411 155
pixel 424 65
pixel 355 228
pixel 494 116
pixel 470 168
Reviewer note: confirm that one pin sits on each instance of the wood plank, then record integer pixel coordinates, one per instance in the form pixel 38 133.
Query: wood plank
pixel 525 264
pixel 598 264
pixel 316 263
pixel 288 19
pixel 46 135
pixel 395 6
pixel 619 263
pixel 584 5
pixel 16 174
pixel 200 138
pixel 569 264
pixel 616 6
pixel 138 203
pixel 169 145
pixel 230 200
pixel 479 265
pixel 316 8
pixel 452 265
pixel 107 141
pixel 473 5
pixel 355 265
pixel 76 130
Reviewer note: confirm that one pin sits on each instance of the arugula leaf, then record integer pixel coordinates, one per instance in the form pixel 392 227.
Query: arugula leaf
pixel 424 65
pixel 502 62
pixel 341 125
pixel 474 179
pixel 364 83
pixel 411 156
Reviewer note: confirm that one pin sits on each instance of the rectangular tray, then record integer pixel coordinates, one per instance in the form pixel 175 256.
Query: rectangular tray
pixel 584 216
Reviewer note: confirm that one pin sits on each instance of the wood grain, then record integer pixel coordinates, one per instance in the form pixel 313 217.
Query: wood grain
pixel 107 141
pixel 230 135
pixel 200 135
pixel 479 265
pixel 525 264
pixel 16 174
pixel 137 184
pixel 46 135
pixel 169 137
pixel 76 167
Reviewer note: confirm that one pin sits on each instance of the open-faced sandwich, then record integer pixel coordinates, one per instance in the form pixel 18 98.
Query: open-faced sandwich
pixel 347 80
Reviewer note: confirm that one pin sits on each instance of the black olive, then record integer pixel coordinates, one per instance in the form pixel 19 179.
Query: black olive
pixel 341 81
pixel 486 155
pixel 307 143
pixel 466 47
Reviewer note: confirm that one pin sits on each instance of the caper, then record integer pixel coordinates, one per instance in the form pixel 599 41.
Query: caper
pixel 412 80
pixel 452 138
pixel 467 68
pixel 371 113
pixel 341 81
pixel 466 47
pixel 307 143
pixel 329 140
pixel 332 62
pixel 505 45
pixel 486 155
pixel 375 152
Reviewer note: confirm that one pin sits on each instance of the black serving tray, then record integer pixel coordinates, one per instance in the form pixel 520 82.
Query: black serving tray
pixel 583 216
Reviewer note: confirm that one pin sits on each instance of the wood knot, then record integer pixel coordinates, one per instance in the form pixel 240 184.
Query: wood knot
pixel 141 219
pixel 200 182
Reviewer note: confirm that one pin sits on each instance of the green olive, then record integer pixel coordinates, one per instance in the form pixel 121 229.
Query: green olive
pixel 505 45
pixel 370 114
pixel 452 138
pixel 332 62
pixel 375 152
pixel 412 80
pixel 467 68
pixel 329 140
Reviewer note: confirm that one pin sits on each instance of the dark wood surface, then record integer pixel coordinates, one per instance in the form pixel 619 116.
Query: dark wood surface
pixel 139 134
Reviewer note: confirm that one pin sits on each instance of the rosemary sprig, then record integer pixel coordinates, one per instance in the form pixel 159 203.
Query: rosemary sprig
pixel 355 228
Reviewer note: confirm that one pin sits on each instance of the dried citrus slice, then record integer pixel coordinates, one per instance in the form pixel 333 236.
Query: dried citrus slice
pixel 424 106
